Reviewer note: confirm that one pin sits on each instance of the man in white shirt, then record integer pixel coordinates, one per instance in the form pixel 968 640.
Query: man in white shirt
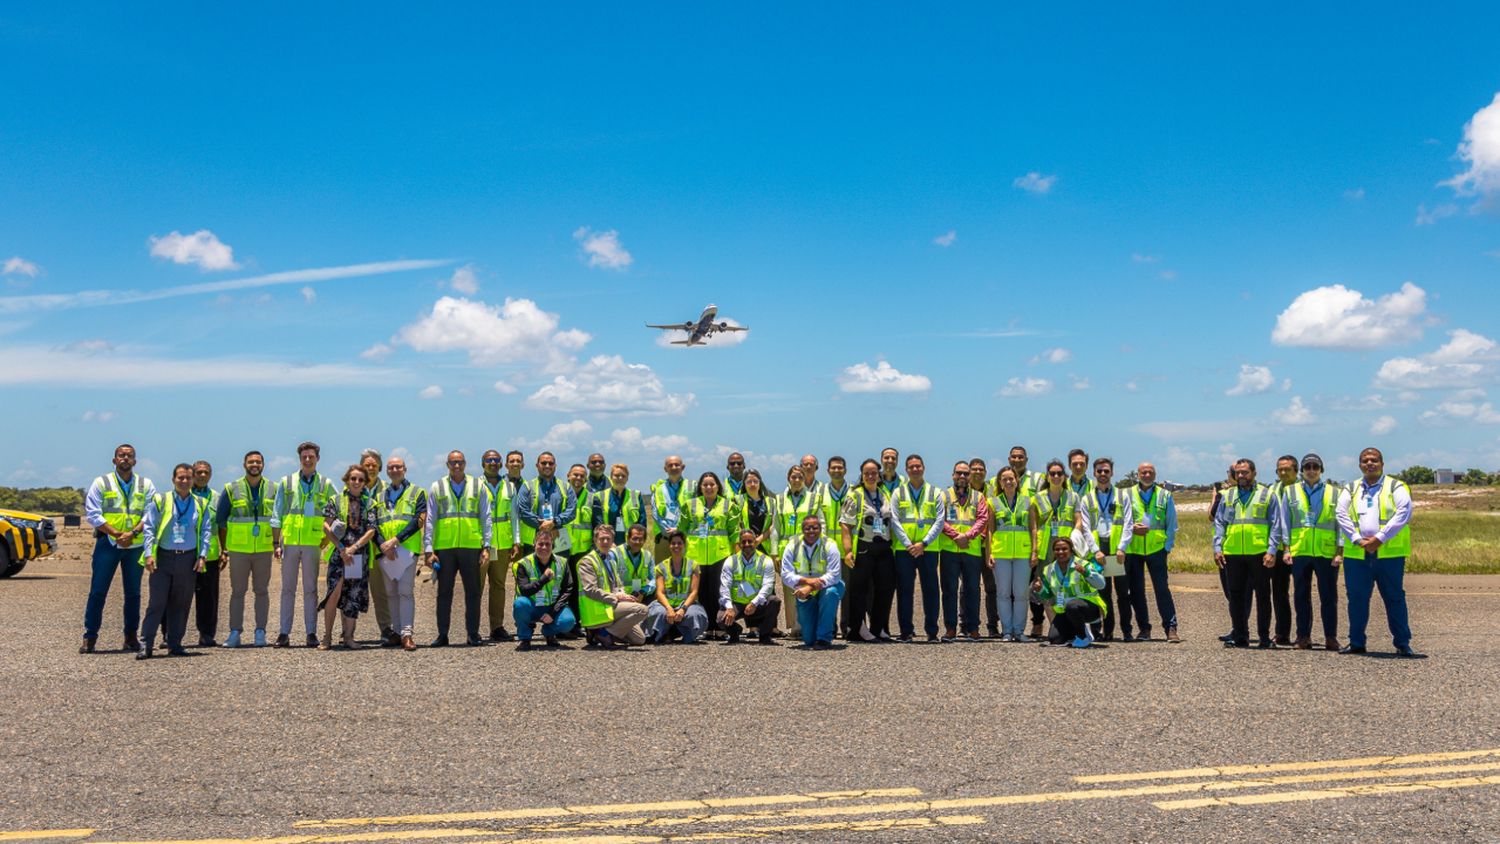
pixel 1374 516
pixel 811 569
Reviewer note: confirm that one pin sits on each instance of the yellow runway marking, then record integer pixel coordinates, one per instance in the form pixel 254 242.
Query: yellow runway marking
pixel 762 831
pixel 44 834
pixel 341 838
pixel 610 808
pixel 1327 793
pixel 1238 770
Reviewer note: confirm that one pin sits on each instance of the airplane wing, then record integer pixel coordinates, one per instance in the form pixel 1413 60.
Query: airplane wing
pixel 678 326
pixel 687 342
pixel 733 328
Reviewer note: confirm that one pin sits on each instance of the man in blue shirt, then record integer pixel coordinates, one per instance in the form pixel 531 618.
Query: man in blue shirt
pixel 176 537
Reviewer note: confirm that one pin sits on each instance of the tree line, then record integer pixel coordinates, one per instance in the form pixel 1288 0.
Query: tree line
pixel 47 501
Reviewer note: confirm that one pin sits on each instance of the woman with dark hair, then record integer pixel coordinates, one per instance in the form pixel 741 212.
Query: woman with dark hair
pixel 758 512
pixel 710 521
pixel 865 528
pixel 1012 551
pixel 1070 584
pixel 349 523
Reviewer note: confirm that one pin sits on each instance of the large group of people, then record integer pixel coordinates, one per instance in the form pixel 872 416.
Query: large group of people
pixel 588 556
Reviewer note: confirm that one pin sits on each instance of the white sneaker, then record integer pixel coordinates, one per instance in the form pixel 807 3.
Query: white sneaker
pixel 864 632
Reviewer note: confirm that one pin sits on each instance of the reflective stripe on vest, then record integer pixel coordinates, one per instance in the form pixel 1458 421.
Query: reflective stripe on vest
pixel 677 587
pixel 708 538
pixel 1155 517
pixel 790 514
pixel 547 595
pixel 1057 521
pixel 455 522
pixel 1249 529
pixel 916 517
pixel 526 532
pixel 297 528
pixel 210 506
pixel 961 516
pixel 581 529
pixel 248 531
pixel 502 529
pixel 747 576
pixel 592 613
pixel 816 565
pixel 1067 585
pixel 166 503
pixel 118 513
pixel 1394 546
pixel 639 577
pixel 1312 535
pixel 1012 537
pixel 393 520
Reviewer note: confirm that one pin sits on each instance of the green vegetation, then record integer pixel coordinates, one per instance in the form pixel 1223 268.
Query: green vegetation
pixel 46 501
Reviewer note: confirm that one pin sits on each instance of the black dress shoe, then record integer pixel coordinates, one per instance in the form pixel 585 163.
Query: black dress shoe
pixel 143 653
pixel 1266 645
pixel 132 643
pixel 439 642
pixel 1405 650
pixel 524 646
pixel 552 642
pixel 312 640
pixel 177 651
pixel 1352 649
pixel 475 642
pixel 88 645
pixel 1233 644
pixel 500 634
pixel 823 645
pixel 207 642
pixel 765 640
pixel 1126 637
pixel 283 641
pixel 1227 637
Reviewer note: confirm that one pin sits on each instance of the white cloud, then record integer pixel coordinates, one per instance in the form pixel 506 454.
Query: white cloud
pixel 1184 464
pixel 505 388
pixel 1297 414
pixel 946 240
pixel 1462 406
pixel 631 441
pixel 1026 387
pixel 1252 380
pixel 1081 383
pixel 1466 360
pixel 108 298
pixel 1058 355
pixel 202 247
pixel 1429 216
pixel 62 367
pixel 717 340
pixel 493 334
pixel 379 351
pixel 431 392
pixel 465 280
pixel 309 295
pixel 16 265
pixel 607 384
pixel 1383 425
pixel 1355 194
pixel 1035 183
pixel 1480 149
pixel 881 378
pixel 603 248
pixel 1336 317
pixel 1197 430
pixel 100 416
pixel 558 437
pixel 1143 259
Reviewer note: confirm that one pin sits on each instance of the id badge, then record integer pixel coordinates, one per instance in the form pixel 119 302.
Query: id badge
pixel 878 528
pixel 179 535
pixel 547 511
pixel 255 530
pixel 952 513
pixel 794 521
pixel 704 528
pixel 619 524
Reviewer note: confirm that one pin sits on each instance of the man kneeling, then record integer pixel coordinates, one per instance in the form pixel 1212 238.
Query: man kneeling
pixel 544 588
pixel 605 608
pixel 747 589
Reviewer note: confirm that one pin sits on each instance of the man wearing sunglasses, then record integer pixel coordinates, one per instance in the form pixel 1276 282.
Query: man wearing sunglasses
pixel 1316 549
pixel 457 539
pixel 597 481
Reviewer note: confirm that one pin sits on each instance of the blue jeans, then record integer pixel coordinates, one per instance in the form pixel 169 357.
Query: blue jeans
pixel 106 559
pixel 1361 577
pixel 953 565
pixel 1303 570
pixel 816 615
pixel 527 613
pixel 907 569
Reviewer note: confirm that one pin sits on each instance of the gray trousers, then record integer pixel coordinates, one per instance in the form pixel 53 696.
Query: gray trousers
pixel 305 559
pixel 400 600
pixel 171 596
pixel 244 570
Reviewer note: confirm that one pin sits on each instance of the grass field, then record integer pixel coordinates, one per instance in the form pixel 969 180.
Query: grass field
pixel 1455 530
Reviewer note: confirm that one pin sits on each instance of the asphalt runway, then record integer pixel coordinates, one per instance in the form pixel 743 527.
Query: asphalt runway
pixel 983 741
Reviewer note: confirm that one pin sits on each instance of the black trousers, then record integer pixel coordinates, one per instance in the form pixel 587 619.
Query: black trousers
pixel 991 606
pixel 572 560
pixel 1246 576
pixel 206 600
pixel 456 563
pixel 171 593
pixel 762 618
pixel 1116 595
pixel 708 593
pixel 1281 594
pixel 1038 614
pixel 1078 615
pixel 880 560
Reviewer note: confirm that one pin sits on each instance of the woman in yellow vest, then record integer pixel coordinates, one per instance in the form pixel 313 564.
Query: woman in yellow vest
pixel 676 611
pixel 709 521
pixel 792 507
pixel 1012 552
pixel 865 528
pixel 1070 584
pixel 758 512
pixel 350 522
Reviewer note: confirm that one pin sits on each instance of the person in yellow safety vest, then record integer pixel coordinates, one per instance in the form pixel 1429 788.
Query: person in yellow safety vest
pixel 206 584
pixel 244 524
pixel 979 482
pixel 637 565
pixel 961 552
pixel 456 539
pixel 1110 511
pixel 371 461
pixel 607 611
pixel 890 458
pixel 297 528
pixel 176 534
pixel 1245 531
pixel 1316 548
pixel 865 528
pixel 669 497
pixel 676 611
pixel 811 568
pixel 544 582
pixel 1070 585
pixel 1011 552
pixel 747 590
pixel 544 504
pixel 919 523
pixel 1281 573
pixel 832 495
pixel 617 505
pixel 403 514
pixel 115 507
pixel 834 491
pixel 1145 547
pixel 758 513
pixel 1221 494
pixel 503 529
pixel 1374 514
pixel 576 533
pixel 793 507
pixel 1033 483
pixel 350 523
pixel 709 521
pixel 598 480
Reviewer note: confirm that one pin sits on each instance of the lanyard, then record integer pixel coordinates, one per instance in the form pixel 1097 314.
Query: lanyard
pixel 839 498
pixel 392 495
pixel 125 489
pixel 616 504
pixel 307 486
pixel 1010 507
pixel 872 501
pixel 609 571
pixel 1107 502
pixel 1054 515
pixel 181 510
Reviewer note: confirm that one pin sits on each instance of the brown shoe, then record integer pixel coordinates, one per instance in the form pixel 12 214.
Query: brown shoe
pixel 88 645
pixel 1172 635
pixel 1332 645
pixel 1283 641
pixel 950 634
pixel 407 644
pixel 1036 631
pixel 1302 644
pixel 974 635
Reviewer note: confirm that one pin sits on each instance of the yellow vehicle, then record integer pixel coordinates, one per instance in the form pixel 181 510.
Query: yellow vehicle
pixel 23 538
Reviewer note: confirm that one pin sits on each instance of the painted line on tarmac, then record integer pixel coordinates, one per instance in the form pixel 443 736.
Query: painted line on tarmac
pixel 1327 793
pixel 44 834
pixel 1238 770
pixel 610 808
pixel 767 831
pixel 341 838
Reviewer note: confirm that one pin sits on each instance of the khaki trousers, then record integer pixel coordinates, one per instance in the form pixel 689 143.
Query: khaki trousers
pixel 497 571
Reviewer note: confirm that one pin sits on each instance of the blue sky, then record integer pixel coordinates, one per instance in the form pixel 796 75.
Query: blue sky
pixel 1156 232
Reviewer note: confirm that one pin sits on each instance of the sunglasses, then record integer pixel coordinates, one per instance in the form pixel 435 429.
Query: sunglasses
pixel 494 460
pixel 1056 473
pixel 455 463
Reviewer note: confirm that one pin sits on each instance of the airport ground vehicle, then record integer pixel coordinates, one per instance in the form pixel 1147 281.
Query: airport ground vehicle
pixel 23 538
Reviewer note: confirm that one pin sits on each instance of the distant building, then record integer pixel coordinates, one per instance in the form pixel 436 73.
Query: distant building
pixel 1444 476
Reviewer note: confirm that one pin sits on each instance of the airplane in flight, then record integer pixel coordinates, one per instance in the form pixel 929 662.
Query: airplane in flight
pixel 703 328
